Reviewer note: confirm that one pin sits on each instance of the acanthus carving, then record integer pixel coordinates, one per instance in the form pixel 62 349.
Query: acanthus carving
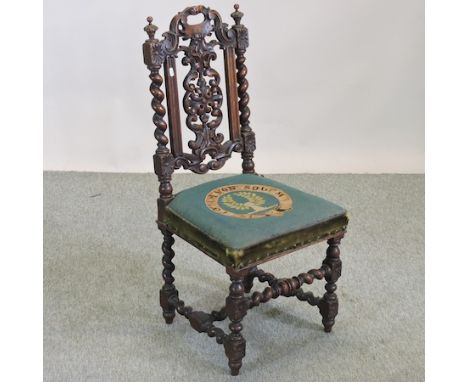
pixel 203 98
pixel 242 38
pixel 212 22
pixel 202 102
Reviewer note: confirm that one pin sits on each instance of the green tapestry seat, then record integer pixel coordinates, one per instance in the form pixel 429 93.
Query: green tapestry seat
pixel 246 219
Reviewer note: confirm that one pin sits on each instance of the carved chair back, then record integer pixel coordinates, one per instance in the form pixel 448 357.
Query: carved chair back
pixel 203 97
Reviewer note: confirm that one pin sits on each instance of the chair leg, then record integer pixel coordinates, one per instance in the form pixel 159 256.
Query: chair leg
pixel 236 308
pixel 328 304
pixel 168 290
pixel 249 279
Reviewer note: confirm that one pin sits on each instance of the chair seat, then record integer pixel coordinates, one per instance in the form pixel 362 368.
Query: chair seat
pixel 247 219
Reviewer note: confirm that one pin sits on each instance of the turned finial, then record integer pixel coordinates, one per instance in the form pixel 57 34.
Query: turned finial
pixel 150 28
pixel 237 15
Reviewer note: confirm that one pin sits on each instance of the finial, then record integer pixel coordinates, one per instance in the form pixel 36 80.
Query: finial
pixel 237 15
pixel 150 28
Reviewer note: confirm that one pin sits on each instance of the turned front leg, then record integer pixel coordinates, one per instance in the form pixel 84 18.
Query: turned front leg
pixel 168 290
pixel 328 304
pixel 236 309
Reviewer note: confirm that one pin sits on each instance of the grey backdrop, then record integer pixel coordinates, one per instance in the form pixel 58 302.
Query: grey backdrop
pixel 336 86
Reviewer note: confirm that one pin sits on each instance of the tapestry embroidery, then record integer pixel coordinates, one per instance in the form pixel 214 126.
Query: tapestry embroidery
pixel 248 201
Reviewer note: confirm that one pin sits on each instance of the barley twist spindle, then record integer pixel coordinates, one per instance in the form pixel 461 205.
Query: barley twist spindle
pixel 248 136
pixel 162 157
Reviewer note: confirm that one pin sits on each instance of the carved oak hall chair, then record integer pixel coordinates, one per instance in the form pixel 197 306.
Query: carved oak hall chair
pixel 239 221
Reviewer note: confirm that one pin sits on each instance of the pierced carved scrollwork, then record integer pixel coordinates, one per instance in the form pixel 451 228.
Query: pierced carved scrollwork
pixel 212 22
pixel 203 97
pixel 202 102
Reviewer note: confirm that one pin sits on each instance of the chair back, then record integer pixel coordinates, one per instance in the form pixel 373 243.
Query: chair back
pixel 203 97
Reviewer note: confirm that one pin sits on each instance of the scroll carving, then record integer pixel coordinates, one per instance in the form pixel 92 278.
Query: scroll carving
pixel 203 97
pixel 202 102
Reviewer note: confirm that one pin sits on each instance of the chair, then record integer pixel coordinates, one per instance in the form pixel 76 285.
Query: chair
pixel 239 221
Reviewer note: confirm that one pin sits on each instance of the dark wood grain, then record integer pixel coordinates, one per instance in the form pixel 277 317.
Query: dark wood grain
pixel 231 86
pixel 170 74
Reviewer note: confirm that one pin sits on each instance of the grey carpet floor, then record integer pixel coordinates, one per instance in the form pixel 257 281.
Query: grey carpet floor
pixel 102 264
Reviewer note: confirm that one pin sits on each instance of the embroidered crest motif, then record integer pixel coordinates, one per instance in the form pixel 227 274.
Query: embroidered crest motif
pixel 248 201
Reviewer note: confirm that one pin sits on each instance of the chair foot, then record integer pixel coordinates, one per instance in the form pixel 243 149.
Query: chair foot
pixel 328 304
pixel 167 308
pixel 236 308
pixel 328 307
pixel 234 347
pixel 169 320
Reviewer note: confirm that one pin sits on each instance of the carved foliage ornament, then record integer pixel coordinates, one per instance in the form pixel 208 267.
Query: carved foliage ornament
pixel 202 102
pixel 203 96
